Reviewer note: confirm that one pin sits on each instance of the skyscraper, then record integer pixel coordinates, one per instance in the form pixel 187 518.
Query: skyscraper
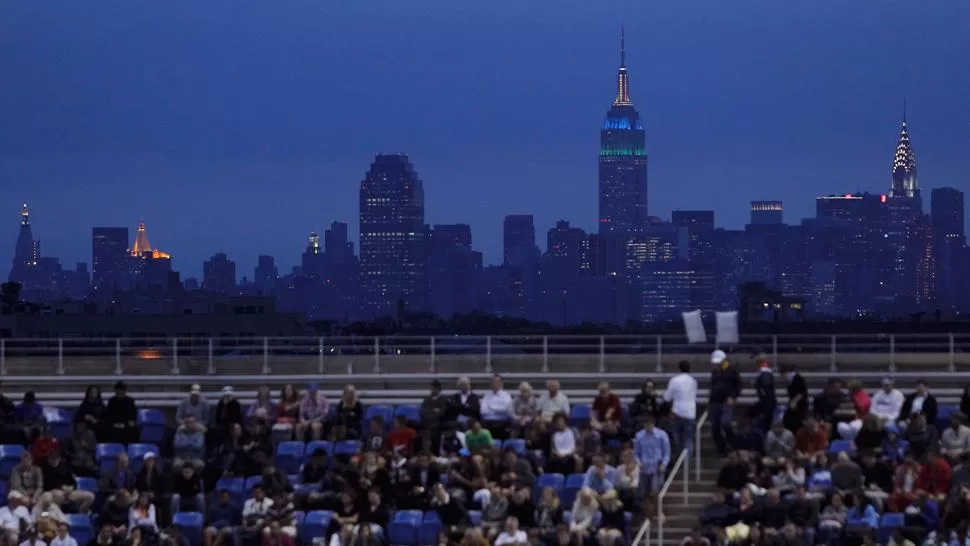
pixel 622 170
pixel 219 274
pixel 767 213
pixel 519 241
pixel 26 252
pixel 949 247
pixel 905 182
pixel 109 258
pixel 393 254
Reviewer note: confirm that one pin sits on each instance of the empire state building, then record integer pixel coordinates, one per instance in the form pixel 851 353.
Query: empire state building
pixel 622 170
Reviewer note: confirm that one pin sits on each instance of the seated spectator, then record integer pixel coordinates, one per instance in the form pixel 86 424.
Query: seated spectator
pixel 522 507
pixel 194 407
pixel 563 457
pixel 63 537
pixel 263 408
pixel 228 413
pixel 790 478
pixel 512 535
pixel 114 513
pixel 344 537
pixel 718 512
pixel 433 416
pixel 255 513
pixel 348 419
pixel 887 404
pixel 276 534
pixel 44 444
pixel 276 485
pixel 81 450
pixel 478 438
pixel 588 444
pixel 861 401
pixel 189 443
pixel 935 477
pixel 627 482
pixel 314 410
pixel 281 517
pixel 919 401
pixel 606 417
pixel 222 518
pixel 465 479
pixel 922 436
pixel 870 435
pixel 749 510
pixel 374 438
pixel 735 474
pixel 120 417
pixel 59 481
pixel 32 538
pixel 464 404
pixel 863 518
pixel 955 440
pixel 893 449
pixel 779 446
pixel 150 478
pixel 15 517
pixel 187 490
pixel 600 477
pixel 613 521
pixel 695 538
pixel 495 409
pixel 425 475
pixel 348 511
pixel 748 439
pixel 119 477
pixel 29 416
pixel 27 479
pixel 453 516
pixel 846 474
pixel 524 410
pixel 803 513
pixel 647 402
pixel 905 489
pixel 832 521
pixel 142 514
pixel 552 402
pixel 516 470
pixel 878 478
pixel 402 437
pixel 371 471
pixel 549 512
pixel 774 513
pixel 287 414
pixel 827 403
pixel 374 514
pixel 811 440
pixel 91 410
pixel 495 511
pixel 584 514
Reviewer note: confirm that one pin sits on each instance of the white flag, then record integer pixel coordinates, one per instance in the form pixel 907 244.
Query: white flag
pixel 694 327
pixel 727 328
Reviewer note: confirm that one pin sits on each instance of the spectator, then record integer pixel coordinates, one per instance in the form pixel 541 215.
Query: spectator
pixel 524 410
pixel 63 537
pixel 763 412
pixel 228 413
pixel 465 404
pixel 861 401
pixel 905 490
pixel 277 486
pixel 263 407
pixel 9 433
pixel 402 437
pixel 255 512
pixel 955 440
pixel 871 435
pixel 194 407
pixel 276 535
pixel 735 474
pixel 150 478
pixel 695 538
pixel 627 479
pixel 846 474
pixel 29 416
pixel 832 521
pixel 142 514
pixel 495 511
pixel 27 479
pixel 681 394
pixel 588 444
pixel 920 401
pixel 344 537
pixel 803 513
pixel 935 477
pixel 105 537
pixel 965 400
pixel 789 479
pixel 549 512
pixel 222 518
pixel 922 437
pixel 552 402
pixel 877 476
pixel 375 515
pixel 348 420
pixel 496 409
pixel 115 513
pixel 31 538
pixel 314 410
pixel 434 412
pixel 607 414
pixel 612 524
pixel 773 513
pixel 424 478
pixel 60 482
pixel 81 450
pixel 563 457
pixel 749 440
pixel 516 470
pixel 15 516
pixel 121 417
pixel 91 410
pixel 477 438
pixel 725 389
pixel 887 404
pixel 116 478
pixel 811 440
pixel 287 413
pixel 779 446
pixel 600 477
pixel 466 478
pixel 584 514
pixel 512 535
pixel 651 448
pixel 187 490
pixel 647 402
pixel 522 507
pixel 189 443
pixel 797 390
pixel 828 402
pixel 452 514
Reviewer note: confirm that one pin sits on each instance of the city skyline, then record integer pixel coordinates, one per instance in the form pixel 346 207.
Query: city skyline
pixel 863 166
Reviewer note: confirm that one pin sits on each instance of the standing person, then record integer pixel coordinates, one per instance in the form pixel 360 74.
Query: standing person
pixel 681 394
pixel 763 412
pixel 725 389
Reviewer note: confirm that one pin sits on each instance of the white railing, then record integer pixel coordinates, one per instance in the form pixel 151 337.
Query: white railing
pixel 643 534
pixel 697 445
pixel 540 354
pixel 681 461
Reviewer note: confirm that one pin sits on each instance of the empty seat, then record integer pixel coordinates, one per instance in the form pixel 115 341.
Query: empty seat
pixel 430 527
pixel 555 481
pixel 580 414
pixel 517 445
pixel 840 446
pixel 384 411
pixel 252 482
pixel 887 524
pixel 410 412
pixel 289 456
pixel 347 448
pixel 87 484
pixel 315 525
pixel 107 455
pixel 9 458
pixel 190 523
pixel 60 422
pixel 574 482
pixel 151 423
pixel 404 528
pixel 313 446
pixel 235 486
pixel 80 526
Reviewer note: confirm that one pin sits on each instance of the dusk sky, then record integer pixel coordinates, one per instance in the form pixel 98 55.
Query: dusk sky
pixel 241 125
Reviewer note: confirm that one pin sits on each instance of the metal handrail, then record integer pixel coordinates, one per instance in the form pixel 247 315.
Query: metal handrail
pixel 697 445
pixel 643 534
pixel 663 492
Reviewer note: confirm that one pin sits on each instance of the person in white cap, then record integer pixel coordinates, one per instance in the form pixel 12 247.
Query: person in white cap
pixel 15 516
pixel 725 389
pixel 887 403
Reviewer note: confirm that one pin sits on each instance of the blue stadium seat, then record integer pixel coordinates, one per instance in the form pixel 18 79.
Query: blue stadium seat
pixel 497 445
pixel 295 479
pixel 252 482
pixel 887 524
pixel 107 455
pixel 298 517
pixel 475 516
pixel 81 528
pixel 9 457
pixel 235 486
pixel 347 448
pixel 384 411
pixel 4 491
pixel 574 482
pixel 430 527
pixel 136 455
pixel 943 416
pixel 151 422
pixel 580 414
pixel 60 421
pixel 555 481
pixel 403 529
pixel 190 523
pixel 840 446
pixel 315 445
pixel 289 455
pixel 820 480
pixel 87 484
pixel 315 525
pixel 410 412
pixel 517 445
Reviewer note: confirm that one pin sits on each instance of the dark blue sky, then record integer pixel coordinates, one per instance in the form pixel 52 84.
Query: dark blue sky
pixel 242 125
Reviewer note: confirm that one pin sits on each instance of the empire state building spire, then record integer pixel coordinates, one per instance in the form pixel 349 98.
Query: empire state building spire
pixel 905 182
pixel 622 79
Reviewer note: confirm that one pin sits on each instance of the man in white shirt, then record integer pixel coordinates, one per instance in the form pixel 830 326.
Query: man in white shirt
pixel 887 403
pixel 512 535
pixel 13 515
pixel 681 393
pixel 552 402
pixel 255 510
pixel 496 408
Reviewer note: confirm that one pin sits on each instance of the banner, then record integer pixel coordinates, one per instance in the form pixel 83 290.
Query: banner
pixel 694 327
pixel 727 328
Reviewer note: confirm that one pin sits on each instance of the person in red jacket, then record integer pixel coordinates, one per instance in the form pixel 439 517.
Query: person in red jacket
pixel 935 477
pixel 861 401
